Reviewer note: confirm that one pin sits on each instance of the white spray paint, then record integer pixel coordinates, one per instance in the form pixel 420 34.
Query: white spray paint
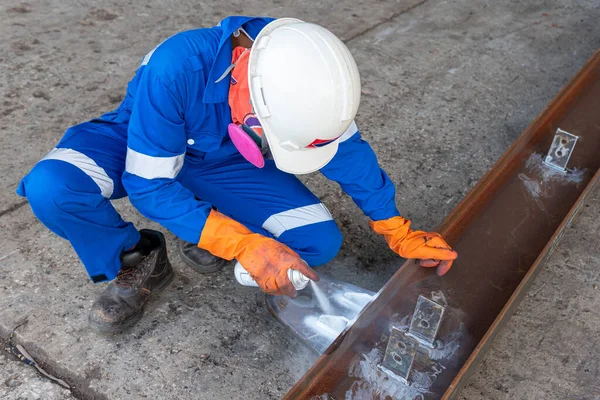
pixel 535 163
pixel 403 324
pixel 331 320
pixel 540 174
pixel 353 300
pixel 372 381
pixel 321 328
pixel 533 187
pixel 321 298
pixel 439 298
pixel 445 350
pixel 336 322
pixel 328 308
pixel 360 299
pixel 347 303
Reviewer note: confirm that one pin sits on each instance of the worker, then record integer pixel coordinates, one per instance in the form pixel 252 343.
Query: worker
pixel 213 129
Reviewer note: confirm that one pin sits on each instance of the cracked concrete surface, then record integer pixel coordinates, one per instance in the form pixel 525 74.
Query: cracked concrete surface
pixel 20 382
pixel 447 87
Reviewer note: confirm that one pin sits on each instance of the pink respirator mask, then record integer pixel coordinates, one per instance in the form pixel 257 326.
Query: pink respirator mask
pixel 245 132
pixel 250 145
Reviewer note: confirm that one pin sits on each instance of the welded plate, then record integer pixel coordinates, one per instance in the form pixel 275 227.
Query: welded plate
pixel 399 355
pixel 426 321
pixel 560 150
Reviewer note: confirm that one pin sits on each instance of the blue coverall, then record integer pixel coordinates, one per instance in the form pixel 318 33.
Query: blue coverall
pixel 166 147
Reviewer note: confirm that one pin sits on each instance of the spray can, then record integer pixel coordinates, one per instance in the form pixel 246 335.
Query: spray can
pixel 243 277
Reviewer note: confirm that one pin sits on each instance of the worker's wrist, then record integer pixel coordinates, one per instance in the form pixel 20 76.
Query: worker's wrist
pixel 223 236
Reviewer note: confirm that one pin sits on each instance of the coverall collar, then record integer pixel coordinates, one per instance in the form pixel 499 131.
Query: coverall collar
pixel 218 92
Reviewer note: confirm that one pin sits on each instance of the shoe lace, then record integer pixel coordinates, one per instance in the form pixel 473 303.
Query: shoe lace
pixel 128 277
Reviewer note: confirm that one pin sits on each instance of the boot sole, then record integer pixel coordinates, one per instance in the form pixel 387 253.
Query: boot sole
pixel 135 318
pixel 201 269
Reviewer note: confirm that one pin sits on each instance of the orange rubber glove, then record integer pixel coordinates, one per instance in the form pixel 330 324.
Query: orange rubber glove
pixel 266 260
pixel 428 247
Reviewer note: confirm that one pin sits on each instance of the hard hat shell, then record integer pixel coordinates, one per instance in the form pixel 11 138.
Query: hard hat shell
pixel 305 91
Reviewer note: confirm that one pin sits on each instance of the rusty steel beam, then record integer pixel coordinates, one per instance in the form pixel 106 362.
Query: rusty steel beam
pixel 504 230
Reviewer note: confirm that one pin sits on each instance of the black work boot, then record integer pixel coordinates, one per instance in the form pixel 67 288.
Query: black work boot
pixel 199 259
pixel 145 270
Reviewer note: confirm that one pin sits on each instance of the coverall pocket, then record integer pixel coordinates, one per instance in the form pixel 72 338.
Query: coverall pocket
pixel 203 141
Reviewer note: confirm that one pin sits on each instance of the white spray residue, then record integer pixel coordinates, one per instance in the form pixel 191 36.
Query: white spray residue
pixel 402 324
pixel 336 322
pixel 439 298
pixel 353 300
pixel 322 328
pixel 372 381
pixel 325 310
pixel 533 187
pixel 535 163
pixel 360 299
pixel 324 302
pixel 446 349
pixel 347 303
pixel 335 313
pixel 537 181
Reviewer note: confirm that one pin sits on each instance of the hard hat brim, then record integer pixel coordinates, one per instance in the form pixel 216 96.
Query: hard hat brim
pixel 302 161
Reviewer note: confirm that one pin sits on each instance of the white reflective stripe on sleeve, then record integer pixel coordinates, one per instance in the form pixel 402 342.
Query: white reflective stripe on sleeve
pixel 352 129
pixel 85 164
pixel 276 224
pixel 146 58
pixel 150 167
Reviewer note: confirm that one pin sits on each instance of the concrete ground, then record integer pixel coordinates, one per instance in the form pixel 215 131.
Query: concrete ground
pixel 20 382
pixel 447 87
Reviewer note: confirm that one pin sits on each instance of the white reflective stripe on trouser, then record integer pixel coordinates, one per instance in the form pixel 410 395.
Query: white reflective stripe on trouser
pixel 151 167
pixel 278 223
pixel 87 165
pixel 352 129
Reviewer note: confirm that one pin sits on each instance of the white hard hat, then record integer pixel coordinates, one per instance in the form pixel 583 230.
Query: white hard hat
pixel 305 91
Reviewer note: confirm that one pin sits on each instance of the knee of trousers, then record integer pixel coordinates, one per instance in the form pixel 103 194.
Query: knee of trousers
pixel 317 244
pixel 53 188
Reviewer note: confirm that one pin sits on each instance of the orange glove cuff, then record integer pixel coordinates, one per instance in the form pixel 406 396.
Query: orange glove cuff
pixel 225 237
pixel 394 230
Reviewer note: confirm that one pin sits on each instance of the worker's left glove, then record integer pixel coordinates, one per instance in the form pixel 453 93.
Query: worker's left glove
pixel 427 247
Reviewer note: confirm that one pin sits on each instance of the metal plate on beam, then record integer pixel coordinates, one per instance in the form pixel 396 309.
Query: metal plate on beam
pixel 399 355
pixel 426 321
pixel 561 149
